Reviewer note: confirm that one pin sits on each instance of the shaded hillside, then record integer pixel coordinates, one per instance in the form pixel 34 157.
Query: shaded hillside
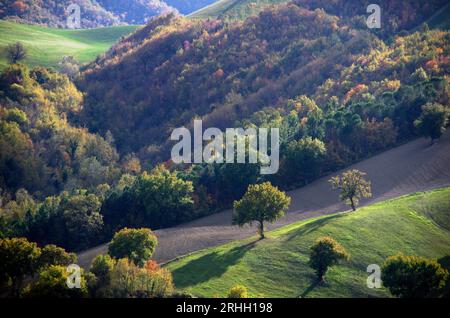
pixel 228 63
pixel 154 77
pixel 40 150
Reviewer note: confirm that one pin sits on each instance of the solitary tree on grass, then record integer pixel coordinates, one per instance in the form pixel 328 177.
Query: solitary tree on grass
pixel 261 203
pixel 353 187
pixel 326 252
pixel 15 53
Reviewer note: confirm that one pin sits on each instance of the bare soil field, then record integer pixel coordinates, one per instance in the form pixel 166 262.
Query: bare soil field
pixel 412 167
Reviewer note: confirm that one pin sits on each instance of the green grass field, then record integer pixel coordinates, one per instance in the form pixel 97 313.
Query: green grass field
pixel 233 9
pixel 417 224
pixel 46 46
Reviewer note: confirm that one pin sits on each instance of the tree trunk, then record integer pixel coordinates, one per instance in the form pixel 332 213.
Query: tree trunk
pixel 261 230
pixel 352 204
pixel 321 277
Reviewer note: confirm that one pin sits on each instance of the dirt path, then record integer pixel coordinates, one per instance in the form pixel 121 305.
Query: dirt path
pixel 415 166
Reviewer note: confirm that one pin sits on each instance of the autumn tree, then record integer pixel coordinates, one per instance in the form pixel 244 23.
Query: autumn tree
pixel 18 7
pixel 261 203
pixel 101 268
pixel 52 283
pixel 137 245
pixel 326 252
pixel 432 121
pixel 413 276
pixel 15 53
pixel 54 255
pixel 69 66
pixel 19 258
pixel 102 265
pixel 352 187
pixel 130 280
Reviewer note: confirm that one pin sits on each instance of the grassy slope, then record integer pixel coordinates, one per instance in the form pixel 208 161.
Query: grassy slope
pixel 46 46
pixel 234 9
pixel 277 267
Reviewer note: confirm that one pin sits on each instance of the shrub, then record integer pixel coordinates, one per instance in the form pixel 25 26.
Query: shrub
pixel 326 252
pixel 238 291
pixel 413 276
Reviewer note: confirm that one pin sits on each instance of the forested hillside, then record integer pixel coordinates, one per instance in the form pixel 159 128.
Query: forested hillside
pixel 95 155
pixel 242 68
pixel 241 9
pixel 338 91
pixel 52 13
pixel 94 13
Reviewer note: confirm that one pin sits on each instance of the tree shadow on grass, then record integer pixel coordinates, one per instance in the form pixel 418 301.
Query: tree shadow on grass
pixel 309 289
pixel 312 226
pixel 208 266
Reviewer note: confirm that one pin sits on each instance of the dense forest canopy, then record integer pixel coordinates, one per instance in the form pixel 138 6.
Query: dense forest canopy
pixel 94 13
pixel 284 52
pixel 53 12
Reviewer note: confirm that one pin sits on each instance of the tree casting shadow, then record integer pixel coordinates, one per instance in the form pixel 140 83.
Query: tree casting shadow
pixel 209 266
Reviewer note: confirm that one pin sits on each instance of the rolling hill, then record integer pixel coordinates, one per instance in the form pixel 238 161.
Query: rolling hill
pixel 46 46
pixel 233 9
pixel 416 224
pixel 409 168
pixel 188 6
pixel 284 52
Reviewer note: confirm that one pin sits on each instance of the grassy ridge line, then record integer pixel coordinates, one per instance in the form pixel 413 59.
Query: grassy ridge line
pixel 235 9
pixel 416 224
pixel 46 46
